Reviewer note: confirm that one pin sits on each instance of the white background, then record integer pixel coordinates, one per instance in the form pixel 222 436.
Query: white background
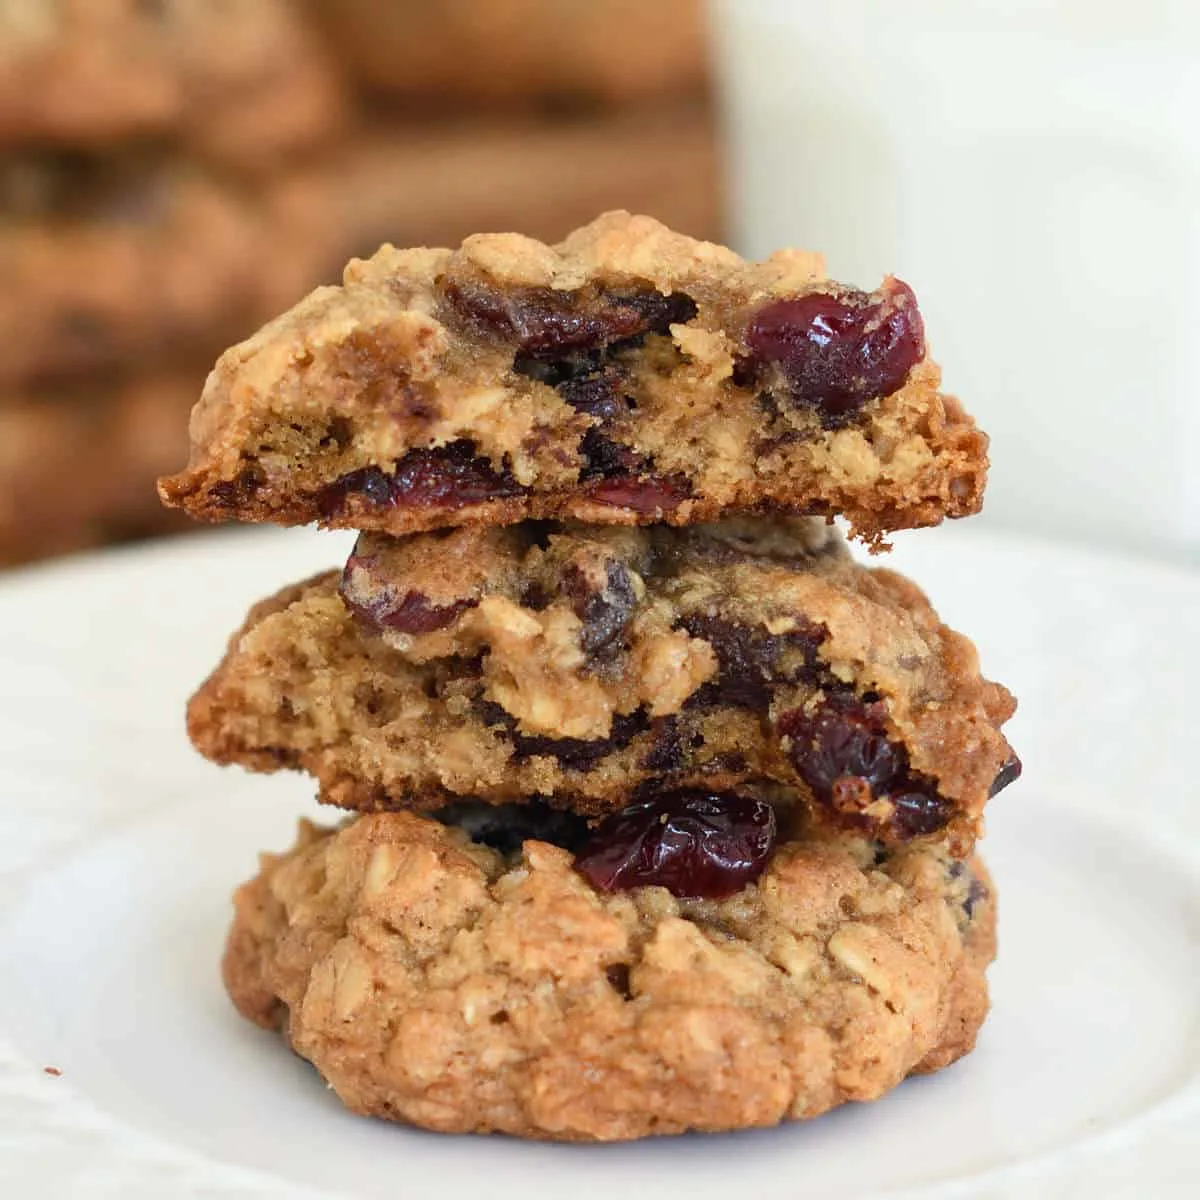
pixel 1032 168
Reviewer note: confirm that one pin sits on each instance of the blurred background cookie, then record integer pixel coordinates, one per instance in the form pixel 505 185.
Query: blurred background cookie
pixel 522 53
pixel 106 261
pixel 244 81
pixel 418 183
pixel 174 173
pixel 74 461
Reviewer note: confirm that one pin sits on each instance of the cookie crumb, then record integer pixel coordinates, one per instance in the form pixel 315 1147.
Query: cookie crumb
pixel 55 1071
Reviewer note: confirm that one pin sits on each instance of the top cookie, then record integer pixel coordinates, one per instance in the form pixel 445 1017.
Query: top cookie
pixel 241 82
pixel 628 375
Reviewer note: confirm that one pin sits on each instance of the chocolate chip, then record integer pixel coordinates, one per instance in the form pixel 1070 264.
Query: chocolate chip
pixel 507 827
pixel 618 976
pixel 604 458
pixel 445 477
pixel 977 892
pixel 572 754
pixel 604 612
pixel 750 661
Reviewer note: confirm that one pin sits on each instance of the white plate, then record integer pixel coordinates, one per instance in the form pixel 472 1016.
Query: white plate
pixel 119 846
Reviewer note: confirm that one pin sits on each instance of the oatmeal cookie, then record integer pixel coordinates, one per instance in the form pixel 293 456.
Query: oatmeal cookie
pixel 242 83
pixel 629 375
pixel 78 464
pixel 587 663
pixel 412 183
pixel 520 52
pixel 435 980
pixel 104 260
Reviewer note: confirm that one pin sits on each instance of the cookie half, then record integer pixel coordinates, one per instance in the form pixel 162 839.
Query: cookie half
pixel 586 664
pixel 436 981
pixel 629 375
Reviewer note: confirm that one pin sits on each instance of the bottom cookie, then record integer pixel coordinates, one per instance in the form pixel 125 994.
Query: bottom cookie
pixel 437 981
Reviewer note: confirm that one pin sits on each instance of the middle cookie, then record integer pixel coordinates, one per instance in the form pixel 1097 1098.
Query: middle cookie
pixel 595 665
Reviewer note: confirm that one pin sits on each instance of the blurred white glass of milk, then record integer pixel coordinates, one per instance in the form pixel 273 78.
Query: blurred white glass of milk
pixel 1032 168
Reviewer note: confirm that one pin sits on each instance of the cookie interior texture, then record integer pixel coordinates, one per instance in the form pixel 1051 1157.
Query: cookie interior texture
pixel 587 666
pixel 435 981
pixel 628 375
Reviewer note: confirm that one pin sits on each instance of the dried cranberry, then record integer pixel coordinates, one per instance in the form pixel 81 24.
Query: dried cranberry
pixel 234 493
pixel 646 495
pixel 915 814
pixel 694 844
pixel 1010 772
pixel 449 476
pixel 446 477
pixel 604 612
pixel 415 614
pixel 596 395
pixel 842 751
pixel 838 741
pixel 839 350
pixel 370 483
pixel 750 660
pixel 545 321
pixel 624 479
pixel 537 318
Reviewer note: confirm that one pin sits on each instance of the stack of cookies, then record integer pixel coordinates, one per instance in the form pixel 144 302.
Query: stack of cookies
pixel 147 216
pixel 665 805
